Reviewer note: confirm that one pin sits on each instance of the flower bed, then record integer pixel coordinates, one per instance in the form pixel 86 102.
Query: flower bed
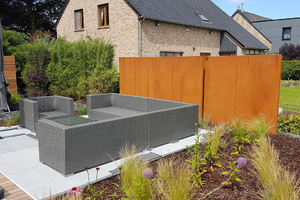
pixel 232 173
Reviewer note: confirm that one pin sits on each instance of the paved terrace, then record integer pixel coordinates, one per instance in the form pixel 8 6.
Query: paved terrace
pixel 19 162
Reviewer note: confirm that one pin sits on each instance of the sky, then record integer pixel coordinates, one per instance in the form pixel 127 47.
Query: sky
pixel 274 9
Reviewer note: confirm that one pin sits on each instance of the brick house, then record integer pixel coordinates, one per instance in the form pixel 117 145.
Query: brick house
pixel 271 32
pixel 158 28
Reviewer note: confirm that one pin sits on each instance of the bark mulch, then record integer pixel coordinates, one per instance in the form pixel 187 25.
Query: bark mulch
pixel 287 146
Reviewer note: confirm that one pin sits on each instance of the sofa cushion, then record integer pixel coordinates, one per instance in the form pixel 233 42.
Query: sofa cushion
pixel 122 112
pixel 51 114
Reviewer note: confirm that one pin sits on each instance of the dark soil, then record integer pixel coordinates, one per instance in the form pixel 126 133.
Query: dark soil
pixel 287 146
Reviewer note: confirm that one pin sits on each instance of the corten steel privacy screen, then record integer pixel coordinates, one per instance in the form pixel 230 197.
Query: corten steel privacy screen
pixel 224 87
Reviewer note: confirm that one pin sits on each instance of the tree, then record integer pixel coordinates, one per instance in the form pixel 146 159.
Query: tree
pixel 290 51
pixel 27 16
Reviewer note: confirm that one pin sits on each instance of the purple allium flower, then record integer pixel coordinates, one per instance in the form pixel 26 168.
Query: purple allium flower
pixel 204 141
pixel 242 161
pixel 147 173
pixel 74 190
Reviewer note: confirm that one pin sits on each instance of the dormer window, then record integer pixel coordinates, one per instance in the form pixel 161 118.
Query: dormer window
pixel 202 17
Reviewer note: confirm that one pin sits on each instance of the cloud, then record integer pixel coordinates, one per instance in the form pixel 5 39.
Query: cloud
pixel 235 1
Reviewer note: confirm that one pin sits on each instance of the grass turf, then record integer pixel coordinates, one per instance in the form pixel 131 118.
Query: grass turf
pixel 290 98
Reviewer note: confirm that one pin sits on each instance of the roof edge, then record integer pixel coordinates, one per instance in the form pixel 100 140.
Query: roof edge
pixel 191 25
pixel 241 13
pixel 277 19
pixel 61 14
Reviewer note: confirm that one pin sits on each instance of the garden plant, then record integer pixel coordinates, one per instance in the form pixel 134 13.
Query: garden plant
pixel 254 173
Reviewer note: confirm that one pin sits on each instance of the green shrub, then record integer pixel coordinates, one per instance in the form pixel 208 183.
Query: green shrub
pixel 11 40
pixel 290 70
pixel 30 57
pixel 14 99
pixel 86 64
pixel 83 110
pixel 289 123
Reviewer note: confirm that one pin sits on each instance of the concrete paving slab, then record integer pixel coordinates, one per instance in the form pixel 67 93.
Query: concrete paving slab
pixel 19 160
pixel 13 144
pixel 13 131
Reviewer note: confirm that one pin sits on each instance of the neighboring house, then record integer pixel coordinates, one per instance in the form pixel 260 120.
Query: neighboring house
pixel 275 31
pixel 158 28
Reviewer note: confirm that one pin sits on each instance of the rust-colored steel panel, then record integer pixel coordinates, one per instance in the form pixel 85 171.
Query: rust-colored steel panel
pixel 245 86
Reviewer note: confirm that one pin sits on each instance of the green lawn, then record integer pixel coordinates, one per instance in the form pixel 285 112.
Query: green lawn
pixel 290 98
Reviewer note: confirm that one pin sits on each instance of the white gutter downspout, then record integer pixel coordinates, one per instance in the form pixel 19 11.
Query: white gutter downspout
pixel 140 35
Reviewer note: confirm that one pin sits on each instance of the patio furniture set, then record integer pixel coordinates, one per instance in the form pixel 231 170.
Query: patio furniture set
pixel 68 144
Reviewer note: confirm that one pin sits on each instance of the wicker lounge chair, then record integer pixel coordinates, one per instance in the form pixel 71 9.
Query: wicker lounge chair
pixel 33 109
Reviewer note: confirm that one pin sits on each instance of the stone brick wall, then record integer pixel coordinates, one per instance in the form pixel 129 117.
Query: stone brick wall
pixel 122 30
pixel 244 23
pixel 172 37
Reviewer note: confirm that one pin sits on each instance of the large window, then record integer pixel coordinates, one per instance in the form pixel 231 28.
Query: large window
pixel 286 33
pixel 103 15
pixel 170 54
pixel 79 25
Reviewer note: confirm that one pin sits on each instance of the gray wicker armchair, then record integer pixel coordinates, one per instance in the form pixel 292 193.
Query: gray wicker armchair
pixel 33 109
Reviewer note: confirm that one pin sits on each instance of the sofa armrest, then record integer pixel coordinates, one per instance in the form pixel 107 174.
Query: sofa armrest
pixel 64 105
pixel 29 113
pixel 95 101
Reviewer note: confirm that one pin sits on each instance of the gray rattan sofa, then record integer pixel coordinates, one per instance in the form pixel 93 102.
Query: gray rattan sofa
pixel 118 120
pixel 33 109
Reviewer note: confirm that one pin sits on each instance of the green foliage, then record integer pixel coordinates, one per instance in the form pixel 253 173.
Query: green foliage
pixel 14 99
pixel 211 158
pixel 131 174
pixel 241 137
pixel 290 70
pixel 233 174
pixel 43 37
pixel 289 123
pixel 223 144
pixel 14 121
pixel 29 57
pixel 83 110
pixel 86 64
pixel 258 127
pixel 278 183
pixel 30 15
pixel 11 40
pixel 174 180
pixel 290 98
pixel 35 76
pixel 196 160
pixel 219 130
pixel 204 121
pixel 94 193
